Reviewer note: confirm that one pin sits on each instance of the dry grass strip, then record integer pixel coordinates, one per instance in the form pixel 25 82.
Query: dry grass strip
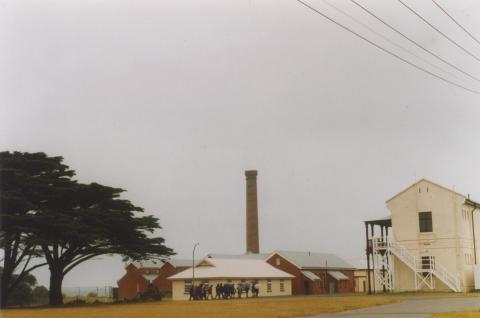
pixel 244 308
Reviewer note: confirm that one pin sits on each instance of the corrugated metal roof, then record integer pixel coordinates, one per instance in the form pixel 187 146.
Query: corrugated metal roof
pixel 261 256
pixel 315 260
pixel 159 263
pixel 232 268
pixel 150 278
pixel 180 262
pixel 310 275
pixel 338 275
pixel 359 263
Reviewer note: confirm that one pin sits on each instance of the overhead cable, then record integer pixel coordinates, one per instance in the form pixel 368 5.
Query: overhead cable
pixel 440 32
pixel 390 41
pixel 455 21
pixel 414 42
pixel 387 51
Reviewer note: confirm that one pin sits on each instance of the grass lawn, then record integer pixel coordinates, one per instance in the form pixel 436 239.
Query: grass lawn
pixel 460 314
pixel 241 308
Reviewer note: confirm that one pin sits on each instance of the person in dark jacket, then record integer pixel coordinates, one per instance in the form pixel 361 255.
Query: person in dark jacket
pixel 192 295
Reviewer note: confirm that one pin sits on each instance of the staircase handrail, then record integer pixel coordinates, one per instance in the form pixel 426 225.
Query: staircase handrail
pixel 451 280
pixel 416 264
pixel 403 253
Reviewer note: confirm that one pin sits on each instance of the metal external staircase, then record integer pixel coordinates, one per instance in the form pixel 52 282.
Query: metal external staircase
pixel 425 268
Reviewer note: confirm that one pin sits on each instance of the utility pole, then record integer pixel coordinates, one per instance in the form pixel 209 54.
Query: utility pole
pixel 193 267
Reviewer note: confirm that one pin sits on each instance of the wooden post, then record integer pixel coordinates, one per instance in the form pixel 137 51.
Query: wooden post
pixel 367 251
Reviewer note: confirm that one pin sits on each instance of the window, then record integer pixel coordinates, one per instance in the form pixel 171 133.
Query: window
pixel 282 285
pixel 277 261
pixel 425 221
pixel 428 262
pixel 186 287
pixel 269 286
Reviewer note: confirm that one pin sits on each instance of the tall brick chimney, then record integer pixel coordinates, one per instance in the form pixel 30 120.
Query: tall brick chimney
pixel 252 212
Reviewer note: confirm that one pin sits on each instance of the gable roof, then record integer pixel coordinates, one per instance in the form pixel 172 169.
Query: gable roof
pixel 160 263
pixel 313 260
pixel 150 278
pixel 261 256
pixel 179 262
pixel 428 181
pixel 229 268
pixel 147 264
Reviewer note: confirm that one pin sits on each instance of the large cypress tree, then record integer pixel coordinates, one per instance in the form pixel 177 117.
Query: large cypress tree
pixel 74 222
pixel 25 180
pixel 93 221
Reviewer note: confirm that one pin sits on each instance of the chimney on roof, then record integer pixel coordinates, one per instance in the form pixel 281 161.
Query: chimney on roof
pixel 252 212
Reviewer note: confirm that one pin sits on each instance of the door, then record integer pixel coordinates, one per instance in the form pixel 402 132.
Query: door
pixel 306 287
pixel 331 287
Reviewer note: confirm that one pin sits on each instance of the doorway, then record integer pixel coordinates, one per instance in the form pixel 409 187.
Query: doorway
pixel 332 287
pixel 306 287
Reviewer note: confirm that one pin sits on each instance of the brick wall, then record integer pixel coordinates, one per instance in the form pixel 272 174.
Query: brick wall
pixel 163 284
pixel 133 282
pixel 286 266
pixel 302 285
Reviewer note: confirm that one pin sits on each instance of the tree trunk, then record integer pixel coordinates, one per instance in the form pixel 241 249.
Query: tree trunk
pixel 55 293
pixel 7 271
pixel 4 291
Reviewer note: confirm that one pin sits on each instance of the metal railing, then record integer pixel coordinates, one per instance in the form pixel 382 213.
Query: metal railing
pixel 420 266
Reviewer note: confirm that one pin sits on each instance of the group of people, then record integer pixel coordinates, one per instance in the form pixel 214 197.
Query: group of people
pixel 204 291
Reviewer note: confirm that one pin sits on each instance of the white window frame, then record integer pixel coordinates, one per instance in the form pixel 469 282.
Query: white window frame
pixel 187 284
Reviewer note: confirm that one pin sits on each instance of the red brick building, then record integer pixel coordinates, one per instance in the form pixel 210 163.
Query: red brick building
pixel 315 273
pixel 141 275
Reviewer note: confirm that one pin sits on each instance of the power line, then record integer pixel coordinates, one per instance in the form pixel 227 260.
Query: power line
pixel 436 29
pixel 414 42
pixel 456 22
pixel 387 51
pixel 390 41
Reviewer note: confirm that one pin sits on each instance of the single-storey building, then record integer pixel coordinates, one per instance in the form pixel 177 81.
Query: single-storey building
pixel 315 273
pixel 361 275
pixel 213 271
pixel 149 275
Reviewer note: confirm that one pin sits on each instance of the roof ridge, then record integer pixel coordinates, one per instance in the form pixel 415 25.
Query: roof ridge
pixel 426 180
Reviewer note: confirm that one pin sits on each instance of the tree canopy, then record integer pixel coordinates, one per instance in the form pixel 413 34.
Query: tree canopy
pixel 25 181
pixel 70 222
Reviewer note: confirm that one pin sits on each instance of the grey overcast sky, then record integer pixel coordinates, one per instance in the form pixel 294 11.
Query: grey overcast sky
pixel 173 100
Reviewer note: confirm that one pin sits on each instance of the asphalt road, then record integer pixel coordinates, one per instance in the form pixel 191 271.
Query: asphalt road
pixel 412 308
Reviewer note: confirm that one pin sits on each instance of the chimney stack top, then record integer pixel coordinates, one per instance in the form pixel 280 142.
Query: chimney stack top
pixel 251 173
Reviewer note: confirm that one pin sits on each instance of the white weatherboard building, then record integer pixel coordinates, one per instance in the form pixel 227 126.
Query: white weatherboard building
pixel 429 242
pixel 212 271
